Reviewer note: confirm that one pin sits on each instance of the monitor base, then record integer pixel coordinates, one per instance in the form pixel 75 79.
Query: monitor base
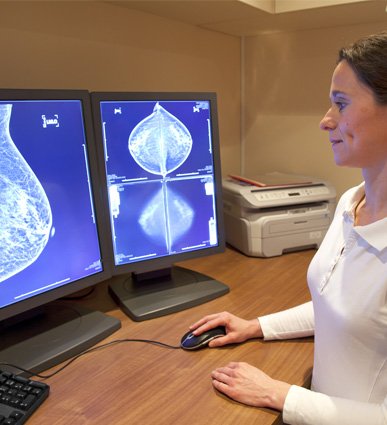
pixel 165 294
pixel 58 332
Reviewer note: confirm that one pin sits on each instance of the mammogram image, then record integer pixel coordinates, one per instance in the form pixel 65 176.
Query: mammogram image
pixel 25 213
pixel 160 143
pixel 166 217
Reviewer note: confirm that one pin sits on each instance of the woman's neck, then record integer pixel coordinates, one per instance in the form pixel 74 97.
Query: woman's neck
pixel 373 205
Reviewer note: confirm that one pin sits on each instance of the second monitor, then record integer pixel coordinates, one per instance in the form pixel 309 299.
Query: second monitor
pixel 160 162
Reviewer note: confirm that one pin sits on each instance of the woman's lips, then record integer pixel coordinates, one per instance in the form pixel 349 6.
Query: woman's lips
pixel 335 142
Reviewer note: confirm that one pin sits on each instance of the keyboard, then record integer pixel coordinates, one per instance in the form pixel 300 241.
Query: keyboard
pixel 19 398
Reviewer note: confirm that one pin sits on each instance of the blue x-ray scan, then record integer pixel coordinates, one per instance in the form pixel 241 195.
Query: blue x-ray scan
pixel 48 231
pixel 25 212
pixel 166 217
pixel 159 169
pixel 160 143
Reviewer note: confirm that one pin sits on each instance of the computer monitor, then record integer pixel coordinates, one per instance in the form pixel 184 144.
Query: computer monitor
pixel 51 231
pixel 159 153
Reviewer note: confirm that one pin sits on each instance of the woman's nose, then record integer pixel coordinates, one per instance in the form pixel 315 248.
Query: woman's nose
pixel 328 123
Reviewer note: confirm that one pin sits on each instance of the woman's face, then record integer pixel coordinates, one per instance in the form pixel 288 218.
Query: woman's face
pixel 357 124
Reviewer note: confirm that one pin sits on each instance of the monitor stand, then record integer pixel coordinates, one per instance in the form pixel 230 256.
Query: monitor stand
pixel 164 292
pixel 55 333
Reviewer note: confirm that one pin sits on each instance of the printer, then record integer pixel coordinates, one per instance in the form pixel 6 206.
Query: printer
pixel 285 213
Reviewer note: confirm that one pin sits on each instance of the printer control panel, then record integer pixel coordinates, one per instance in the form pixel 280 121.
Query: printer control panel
pixel 288 193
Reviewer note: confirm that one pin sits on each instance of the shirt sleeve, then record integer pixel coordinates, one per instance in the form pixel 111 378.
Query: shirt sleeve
pixel 296 322
pixel 306 407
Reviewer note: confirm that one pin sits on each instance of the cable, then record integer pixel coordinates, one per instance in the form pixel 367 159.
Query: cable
pixel 90 350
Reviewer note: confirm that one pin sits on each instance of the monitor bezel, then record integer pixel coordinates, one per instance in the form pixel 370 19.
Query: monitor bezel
pixel 26 305
pixel 166 262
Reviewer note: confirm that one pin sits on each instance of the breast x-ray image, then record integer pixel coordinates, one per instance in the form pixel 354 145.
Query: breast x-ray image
pixel 159 173
pixel 48 234
pixel 25 211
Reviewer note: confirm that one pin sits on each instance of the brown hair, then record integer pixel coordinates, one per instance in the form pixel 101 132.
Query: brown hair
pixel 368 59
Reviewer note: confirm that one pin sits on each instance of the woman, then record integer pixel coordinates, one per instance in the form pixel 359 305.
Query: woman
pixel 347 277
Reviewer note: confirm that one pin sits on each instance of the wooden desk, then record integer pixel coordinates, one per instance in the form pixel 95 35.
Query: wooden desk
pixel 137 383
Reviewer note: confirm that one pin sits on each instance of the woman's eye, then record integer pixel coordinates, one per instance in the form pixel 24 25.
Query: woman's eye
pixel 340 105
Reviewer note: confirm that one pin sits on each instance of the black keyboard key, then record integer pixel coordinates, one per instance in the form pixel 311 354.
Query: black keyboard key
pixel 22 380
pixel 9 421
pixel 27 402
pixel 16 415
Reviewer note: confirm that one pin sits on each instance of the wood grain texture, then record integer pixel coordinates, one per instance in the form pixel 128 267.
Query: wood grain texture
pixel 138 383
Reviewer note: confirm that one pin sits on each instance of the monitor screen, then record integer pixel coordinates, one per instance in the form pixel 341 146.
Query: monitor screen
pixel 161 162
pixel 50 239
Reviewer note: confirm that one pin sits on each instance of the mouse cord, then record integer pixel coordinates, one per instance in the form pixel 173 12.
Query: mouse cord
pixel 90 350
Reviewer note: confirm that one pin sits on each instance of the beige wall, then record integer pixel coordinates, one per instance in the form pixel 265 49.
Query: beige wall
pixel 98 46
pixel 287 79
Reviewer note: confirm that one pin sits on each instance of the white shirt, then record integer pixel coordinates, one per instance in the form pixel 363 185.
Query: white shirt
pixel 347 279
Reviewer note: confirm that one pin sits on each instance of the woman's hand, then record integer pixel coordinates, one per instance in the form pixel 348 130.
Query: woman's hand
pixel 249 385
pixel 237 329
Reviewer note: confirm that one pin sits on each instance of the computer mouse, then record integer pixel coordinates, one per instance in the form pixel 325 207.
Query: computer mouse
pixel 193 342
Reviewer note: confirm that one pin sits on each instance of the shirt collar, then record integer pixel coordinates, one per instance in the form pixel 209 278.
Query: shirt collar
pixel 354 200
pixel 375 233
